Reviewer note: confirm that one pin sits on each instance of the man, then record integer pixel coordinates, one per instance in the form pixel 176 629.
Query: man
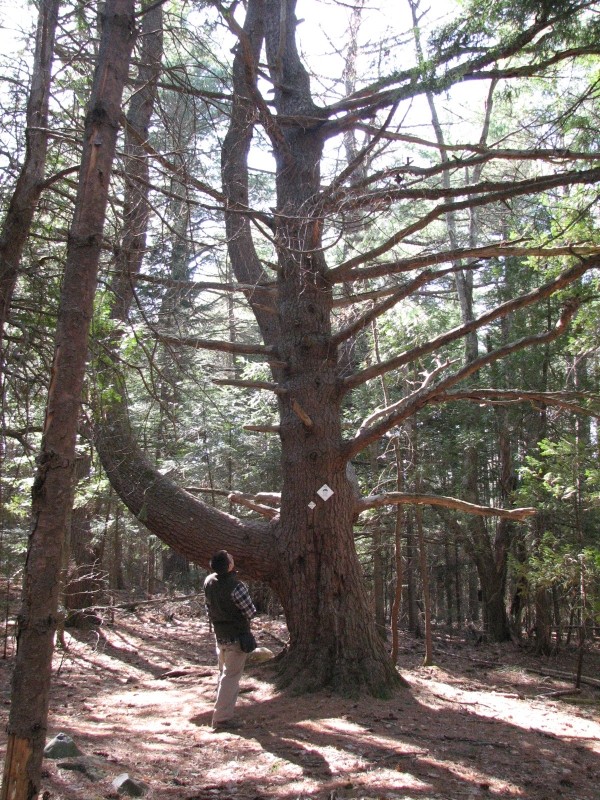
pixel 230 610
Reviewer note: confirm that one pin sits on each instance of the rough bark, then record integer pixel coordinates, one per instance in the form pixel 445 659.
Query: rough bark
pixel 22 205
pixel 136 208
pixel 51 494
pixel 333 640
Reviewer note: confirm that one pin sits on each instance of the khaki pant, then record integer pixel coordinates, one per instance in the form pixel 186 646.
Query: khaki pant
pixel 231 665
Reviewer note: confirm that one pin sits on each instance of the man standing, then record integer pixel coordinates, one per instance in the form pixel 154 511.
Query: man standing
pixel 230 610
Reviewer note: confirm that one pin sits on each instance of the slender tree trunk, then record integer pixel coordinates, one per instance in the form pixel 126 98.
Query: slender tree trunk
pixel 448 573
pixel 51 493
pixel 423 560
pixel 23 202
pixel 400 525
pixel 116 580
pixel 397 599
pixel 457 581
pixel 542 597
pixel 543 621
pixel 411 587
pixel 474 599
pixel 428 657
pixel 136 208
pixel 151 571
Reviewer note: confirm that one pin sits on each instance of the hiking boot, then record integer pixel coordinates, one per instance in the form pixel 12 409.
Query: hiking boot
pixel 226 725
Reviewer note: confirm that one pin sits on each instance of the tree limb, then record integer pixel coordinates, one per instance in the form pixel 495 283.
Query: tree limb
pixel 406 498
pixel 346 272
pixel 262 428
pixel 361 322
pixel 193 528
pixel 239 348
pixel 499 396
pixel 546 290
pixel 271 387
pixel 202 286
pixel 424 395
pixel 250 502
pixel 506 192
pixel 369 100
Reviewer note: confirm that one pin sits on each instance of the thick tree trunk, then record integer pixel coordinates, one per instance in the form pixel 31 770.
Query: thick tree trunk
pixel 379 599
pixel 332 633
pixel 52 487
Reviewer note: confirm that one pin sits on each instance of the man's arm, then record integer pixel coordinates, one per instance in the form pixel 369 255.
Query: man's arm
pixel 241 597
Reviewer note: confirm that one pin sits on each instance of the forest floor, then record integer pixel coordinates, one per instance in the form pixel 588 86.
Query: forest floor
pixel 136 696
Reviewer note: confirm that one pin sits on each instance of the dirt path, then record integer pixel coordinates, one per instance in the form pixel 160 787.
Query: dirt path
pixel 474 726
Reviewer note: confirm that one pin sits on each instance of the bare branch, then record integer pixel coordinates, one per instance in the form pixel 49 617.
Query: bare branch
pixel 405 498
pixel 483 153
pixel 271 387
pixel 424 396
pixel 262 428
pixel 498 192
pixel 239 348
pixel 503 396
pixel 301 414
pixel 546 290
pixel 206 490
pixel 248 502
pixel 202 286
pixel 346 272
pixel 351 199
pixel 427 276
pixel 273 498
pixel 384 412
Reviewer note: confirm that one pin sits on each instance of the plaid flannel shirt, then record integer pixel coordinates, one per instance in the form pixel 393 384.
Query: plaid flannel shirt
pixel 241 597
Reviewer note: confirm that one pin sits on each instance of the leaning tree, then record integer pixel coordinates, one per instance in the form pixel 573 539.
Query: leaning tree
pixel 300 289
pixel 52 487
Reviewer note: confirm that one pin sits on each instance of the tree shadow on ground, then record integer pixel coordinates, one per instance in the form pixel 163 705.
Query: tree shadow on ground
pixel 405 745
pixel 471 727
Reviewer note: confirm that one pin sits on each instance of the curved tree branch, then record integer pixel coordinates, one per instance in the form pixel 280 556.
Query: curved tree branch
pixel 182 521
pixel 245 262
pixel 405 498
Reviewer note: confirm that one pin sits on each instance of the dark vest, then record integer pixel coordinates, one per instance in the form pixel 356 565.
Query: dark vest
pixel 227 619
